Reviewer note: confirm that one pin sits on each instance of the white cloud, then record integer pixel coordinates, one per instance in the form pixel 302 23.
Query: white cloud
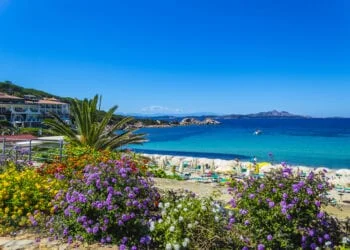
pixel 160 110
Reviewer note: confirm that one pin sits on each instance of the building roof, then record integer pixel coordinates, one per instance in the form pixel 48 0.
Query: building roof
pixel 50 101
pixel 17 137
pixel 7 96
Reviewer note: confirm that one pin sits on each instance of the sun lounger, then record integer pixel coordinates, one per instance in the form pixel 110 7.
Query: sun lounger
pixel 340 189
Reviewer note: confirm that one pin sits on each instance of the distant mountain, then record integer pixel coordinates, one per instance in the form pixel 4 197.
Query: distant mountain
pixel 163 115
pixel 269 114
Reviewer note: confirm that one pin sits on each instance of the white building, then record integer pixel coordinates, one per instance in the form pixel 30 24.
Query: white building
pixel 30 111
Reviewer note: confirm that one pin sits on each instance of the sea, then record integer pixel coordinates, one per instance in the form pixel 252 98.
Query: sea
pixel 306 142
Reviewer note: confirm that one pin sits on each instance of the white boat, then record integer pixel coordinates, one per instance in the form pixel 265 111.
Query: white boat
pixel 258 132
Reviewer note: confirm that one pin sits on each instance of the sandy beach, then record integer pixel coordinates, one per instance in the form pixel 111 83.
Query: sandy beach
pixel 198 167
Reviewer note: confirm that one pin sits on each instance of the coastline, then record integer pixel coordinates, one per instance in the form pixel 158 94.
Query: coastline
pixel 339 178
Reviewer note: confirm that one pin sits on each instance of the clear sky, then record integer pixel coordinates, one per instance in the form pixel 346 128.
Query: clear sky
pixel 183 56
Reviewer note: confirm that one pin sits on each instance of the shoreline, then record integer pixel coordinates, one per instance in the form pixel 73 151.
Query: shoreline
pixel 224 157
pixel 340 178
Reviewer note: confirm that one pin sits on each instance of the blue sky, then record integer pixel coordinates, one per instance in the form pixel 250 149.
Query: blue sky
pixel 183 56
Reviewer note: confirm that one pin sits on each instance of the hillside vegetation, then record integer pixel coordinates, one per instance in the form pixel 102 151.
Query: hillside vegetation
pixel 16 90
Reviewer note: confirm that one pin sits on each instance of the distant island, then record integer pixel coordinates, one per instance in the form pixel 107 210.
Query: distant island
pixel 269 114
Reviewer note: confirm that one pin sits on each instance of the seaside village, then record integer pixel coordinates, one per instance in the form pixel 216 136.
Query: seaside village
pixel 72 191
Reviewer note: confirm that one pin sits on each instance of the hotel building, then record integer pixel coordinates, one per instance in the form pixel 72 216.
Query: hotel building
pixel 30 111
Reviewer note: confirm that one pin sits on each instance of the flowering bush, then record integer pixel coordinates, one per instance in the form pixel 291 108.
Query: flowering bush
pixel 112 203
pixel 24 196
pixel 189 222
pixel 76 158
pixel 283 211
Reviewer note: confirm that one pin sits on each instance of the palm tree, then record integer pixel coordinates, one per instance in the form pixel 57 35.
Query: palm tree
pixel 89 130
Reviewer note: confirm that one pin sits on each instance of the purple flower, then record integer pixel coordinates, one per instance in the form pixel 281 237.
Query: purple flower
pixel 70 240
pixel 251 196
pixel 289 217
pixel 110 189
pixel 134 248
pixel 245 248
pixel 131 195
pixel 108 239
pixel 95 229
pixel 296 188
pixel 309 191
pixel 269 237
pixel 243 211
pixel 261 247
pixel 317 203
pixel 271 204
pixel 65 232
pixel 246 222
pixel 326 237
pixel 320 215
pixel 284 210
pixel 320 186
pixel 143 240
pixel 311 232
pixel 310 177
pixel 285 196
pixel 262 186
pixel 33 221
pixel 313 246
pixel 122 247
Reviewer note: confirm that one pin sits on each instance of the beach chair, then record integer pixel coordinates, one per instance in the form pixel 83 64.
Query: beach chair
pixel 339 188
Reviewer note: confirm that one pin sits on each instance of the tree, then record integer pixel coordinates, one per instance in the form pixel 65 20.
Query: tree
pixel 88 129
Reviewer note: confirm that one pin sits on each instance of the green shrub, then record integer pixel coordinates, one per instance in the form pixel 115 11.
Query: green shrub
pixel 189 222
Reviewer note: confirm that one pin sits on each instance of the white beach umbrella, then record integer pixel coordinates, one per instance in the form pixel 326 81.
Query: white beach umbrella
pixel 176 161
pixel 321 170
pixel 267 168
pixel 212 166
pixel 344 172
pixel 224 169
pixel 181 168
pixel 202 169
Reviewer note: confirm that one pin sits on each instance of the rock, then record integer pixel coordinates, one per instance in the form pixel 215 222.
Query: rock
pixel 209 121
pixel 189 121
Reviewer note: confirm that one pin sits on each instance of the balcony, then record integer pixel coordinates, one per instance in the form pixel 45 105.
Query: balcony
pixel 34 110
pixel 18 110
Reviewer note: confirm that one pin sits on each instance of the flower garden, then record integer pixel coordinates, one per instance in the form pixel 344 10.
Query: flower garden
pixel 110 198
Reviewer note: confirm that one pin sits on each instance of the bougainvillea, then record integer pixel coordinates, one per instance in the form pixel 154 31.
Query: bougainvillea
pixel 112 203
pixel 283 210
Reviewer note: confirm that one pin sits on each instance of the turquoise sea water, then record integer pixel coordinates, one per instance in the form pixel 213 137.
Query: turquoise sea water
pixel 309 142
